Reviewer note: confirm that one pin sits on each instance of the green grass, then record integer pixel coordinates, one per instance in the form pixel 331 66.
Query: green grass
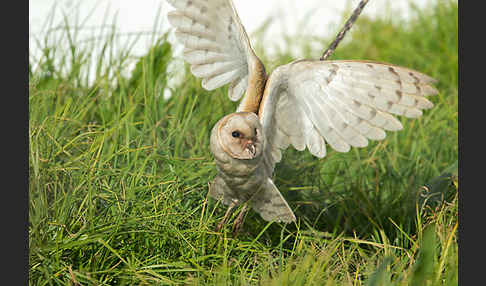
pixel 118 176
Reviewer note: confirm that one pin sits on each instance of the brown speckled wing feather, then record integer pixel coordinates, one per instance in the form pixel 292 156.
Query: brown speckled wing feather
pixel 309 103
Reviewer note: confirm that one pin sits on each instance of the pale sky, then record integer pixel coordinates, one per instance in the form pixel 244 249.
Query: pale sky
pixel 320 17
pixel 323 17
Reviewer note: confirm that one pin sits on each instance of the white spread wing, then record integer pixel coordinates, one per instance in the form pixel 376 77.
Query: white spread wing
pixel 215 43
pixel 344 103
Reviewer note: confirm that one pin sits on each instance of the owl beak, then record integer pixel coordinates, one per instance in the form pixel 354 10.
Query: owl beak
pixel 250 146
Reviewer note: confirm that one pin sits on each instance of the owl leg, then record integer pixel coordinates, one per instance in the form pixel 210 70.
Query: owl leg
pixel 239 220
pixel 223 221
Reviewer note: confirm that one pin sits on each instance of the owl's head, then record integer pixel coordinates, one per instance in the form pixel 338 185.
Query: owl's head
pixel 240 135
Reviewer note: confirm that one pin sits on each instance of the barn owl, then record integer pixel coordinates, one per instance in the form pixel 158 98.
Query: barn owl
pixel 305 103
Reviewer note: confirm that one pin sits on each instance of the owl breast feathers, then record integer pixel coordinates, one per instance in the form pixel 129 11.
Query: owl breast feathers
pixel 306 103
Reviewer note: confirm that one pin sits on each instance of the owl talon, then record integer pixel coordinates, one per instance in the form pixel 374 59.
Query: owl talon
pixel 226 215
pixel 239 221
pixel 220 225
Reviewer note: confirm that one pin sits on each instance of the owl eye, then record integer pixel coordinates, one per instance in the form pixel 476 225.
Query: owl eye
pixel 235 134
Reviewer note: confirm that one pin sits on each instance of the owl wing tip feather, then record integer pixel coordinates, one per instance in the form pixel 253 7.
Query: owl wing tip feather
pixel 220 191
pixel 271 205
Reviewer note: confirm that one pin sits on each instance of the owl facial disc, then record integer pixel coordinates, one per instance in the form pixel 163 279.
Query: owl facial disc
pixel 240 135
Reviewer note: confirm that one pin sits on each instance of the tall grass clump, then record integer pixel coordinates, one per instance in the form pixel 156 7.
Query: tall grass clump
pixel 118 174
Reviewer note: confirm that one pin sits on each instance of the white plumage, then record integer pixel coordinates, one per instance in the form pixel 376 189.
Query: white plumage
pixel 214 42
pixel 305 103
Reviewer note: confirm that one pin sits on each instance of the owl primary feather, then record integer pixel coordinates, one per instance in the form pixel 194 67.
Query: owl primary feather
pixel 309 104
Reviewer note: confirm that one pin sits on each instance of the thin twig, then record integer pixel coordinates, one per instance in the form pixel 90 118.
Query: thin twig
pixel 349 23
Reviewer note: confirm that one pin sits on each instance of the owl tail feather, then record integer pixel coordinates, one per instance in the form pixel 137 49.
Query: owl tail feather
pixel 268 201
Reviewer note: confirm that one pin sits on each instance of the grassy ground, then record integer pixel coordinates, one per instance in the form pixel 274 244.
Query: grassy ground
pixel 118 176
